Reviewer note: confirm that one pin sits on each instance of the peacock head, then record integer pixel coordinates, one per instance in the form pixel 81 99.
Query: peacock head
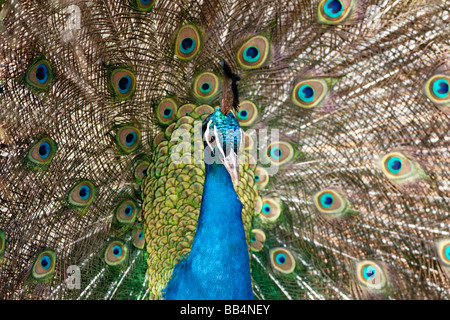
pixel 222 137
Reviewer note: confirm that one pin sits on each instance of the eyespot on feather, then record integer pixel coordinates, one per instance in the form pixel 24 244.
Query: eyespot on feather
pixel 188 42
pixel 282 260
pixel 330 202
pixel 371 275
pixel 44 265
pixel 2 243
pixel 206 85
pixel 257 239
pixel 143 5
pixel 82 194
pixel 247 113
pixel 335 11
pixel 437 89
pixel 139 238
pixel 42 152
pixel 166 111
pixel 39 75
pixel 443 251
pixel 261 177
pixel 310 93
pixel 126 212
pixel 248 141
pixel 270 209
pixel 279 152
pixel 123 83
pixel 128 138
pixel 254 53
pixel 160 137
pixel 140 171
pixel 397 166
pixel 185 110
pixel 115 253
pixel 204 110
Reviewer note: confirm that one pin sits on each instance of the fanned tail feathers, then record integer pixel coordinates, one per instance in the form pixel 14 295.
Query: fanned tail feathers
pixel 349 202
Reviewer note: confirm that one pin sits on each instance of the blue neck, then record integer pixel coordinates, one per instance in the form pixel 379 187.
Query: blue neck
pixel 218 265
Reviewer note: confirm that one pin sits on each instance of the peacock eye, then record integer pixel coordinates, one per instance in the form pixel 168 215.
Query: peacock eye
pixel 44 265
pixel 166 111
pixel 82 194
pixel 279 153
pixel 2 243
pixel 254 52
pixel 261 177
pixel 247 114
pixel 443 249
pixel 138 238
pixel 310 93
pixel 204 110
pixel 123 83
pixel 270 209
pixel 243 114
pixel 282 260
pixel 330 202
pixel 437 89
pixel 371 275
pixel 397 167
pixel 249 143
pixel 206 85
pixel 128 138
pixel 40 75
pixel 257 240
pixel 334 11
pixel 143 5
pixel 188 42
pixel 185 110
pixel 42 152
pixel 115 253
pixel 126 212
pixel 140 171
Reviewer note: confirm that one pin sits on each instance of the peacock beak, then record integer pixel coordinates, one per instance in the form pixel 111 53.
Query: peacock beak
pixel 231 163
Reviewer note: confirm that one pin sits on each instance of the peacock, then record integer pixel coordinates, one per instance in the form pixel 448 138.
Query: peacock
pixel 251 149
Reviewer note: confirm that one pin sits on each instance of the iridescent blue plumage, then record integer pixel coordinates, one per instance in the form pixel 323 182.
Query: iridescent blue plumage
pixel 227 127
